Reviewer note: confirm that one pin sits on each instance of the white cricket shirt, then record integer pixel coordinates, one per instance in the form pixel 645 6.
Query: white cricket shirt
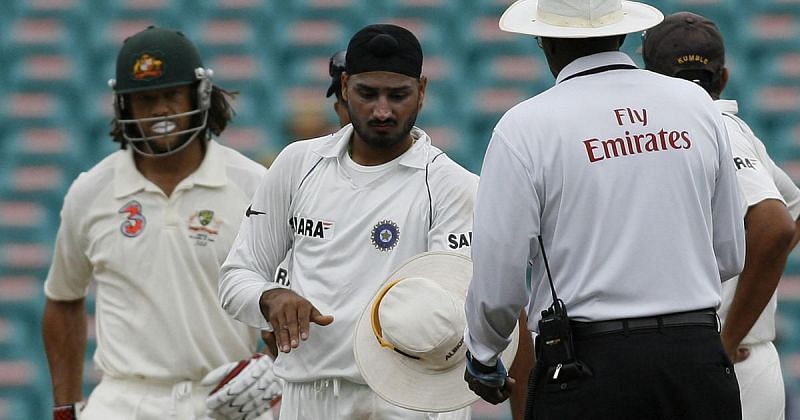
pixel 628 177
pixel 345 238
pixel 156 262
pixel 760 179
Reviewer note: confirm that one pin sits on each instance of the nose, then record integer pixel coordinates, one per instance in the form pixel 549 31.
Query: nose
pixel 161 107
pixel 382 110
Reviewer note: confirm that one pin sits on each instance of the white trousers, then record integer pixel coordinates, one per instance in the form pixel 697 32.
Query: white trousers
pixel 761 384
pixel 131 399
pixel 335 399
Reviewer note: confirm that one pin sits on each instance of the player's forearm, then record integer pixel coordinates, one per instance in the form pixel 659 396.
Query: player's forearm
pixel 64 334
pixel 521 369
pixel 769 236
pixel 240 293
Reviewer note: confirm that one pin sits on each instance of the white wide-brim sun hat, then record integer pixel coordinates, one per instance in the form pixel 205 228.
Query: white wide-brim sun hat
pixel 409 341
pixel 578 18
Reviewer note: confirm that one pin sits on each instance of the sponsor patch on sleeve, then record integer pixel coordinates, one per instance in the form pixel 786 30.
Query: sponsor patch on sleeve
pixel 459 240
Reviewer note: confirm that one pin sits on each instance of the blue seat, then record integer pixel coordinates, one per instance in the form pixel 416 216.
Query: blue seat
pixel 16 405
pixel 481 33
pixel 434 9
pixel 138 8
pixel 780 66
pixel 22 294
pixel 258 9
pixel 230 34
pixel 69 9
pixel 526 70
pixel 308 67
pixel 255 141
pixel 35 105
pixel 40 34
pixel 45 143
pixel 318 35
pixel 351 11
pixel 41 182
pixel 776 100
pixel 25 255
pixel 770 31
pixel 19 331
pixel 25 219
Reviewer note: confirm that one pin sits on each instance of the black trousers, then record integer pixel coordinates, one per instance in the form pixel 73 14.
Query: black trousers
pixel 668 373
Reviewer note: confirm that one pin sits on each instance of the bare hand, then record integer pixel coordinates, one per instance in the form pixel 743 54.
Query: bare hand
pixel 290 315
pixel 735 353
pixel 741 355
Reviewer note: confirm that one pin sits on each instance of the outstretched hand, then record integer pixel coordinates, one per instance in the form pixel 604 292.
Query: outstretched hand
pixel 290 316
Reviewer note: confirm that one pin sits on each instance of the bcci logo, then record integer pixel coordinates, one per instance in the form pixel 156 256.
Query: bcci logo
pixel 385 235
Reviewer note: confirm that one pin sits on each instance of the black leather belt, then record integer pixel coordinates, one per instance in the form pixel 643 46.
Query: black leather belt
pixel 702 318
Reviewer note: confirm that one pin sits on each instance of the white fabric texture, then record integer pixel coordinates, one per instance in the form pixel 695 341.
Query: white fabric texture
pixel 760 179
pixel 761 384
pixel 242 390
pixel 627 175
pixel 345 239
pixel 334 399
pixel 130 399
pixel 155 261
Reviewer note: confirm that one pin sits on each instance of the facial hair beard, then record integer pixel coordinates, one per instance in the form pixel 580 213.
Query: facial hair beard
pixel 377 141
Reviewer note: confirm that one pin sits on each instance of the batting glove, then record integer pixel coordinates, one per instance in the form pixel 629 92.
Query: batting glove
pixel 486 381
pixel 70 411
pixel 243 390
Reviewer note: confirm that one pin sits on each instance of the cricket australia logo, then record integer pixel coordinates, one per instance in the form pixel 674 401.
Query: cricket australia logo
pixel 203 227
pixel 385 235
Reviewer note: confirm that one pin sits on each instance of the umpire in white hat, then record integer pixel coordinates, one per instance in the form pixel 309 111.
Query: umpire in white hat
pixel 624 180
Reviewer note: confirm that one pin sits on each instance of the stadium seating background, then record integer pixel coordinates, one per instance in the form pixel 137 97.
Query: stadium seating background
pixel 55 106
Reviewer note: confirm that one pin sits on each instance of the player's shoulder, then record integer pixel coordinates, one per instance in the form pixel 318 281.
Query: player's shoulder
pixel 298 157
pixel 443 169
pixel 90 183
pixel 93 185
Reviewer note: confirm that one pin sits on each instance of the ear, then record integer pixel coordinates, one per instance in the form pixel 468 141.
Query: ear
pixel 345 78
pixel 723 79
pixel 423 83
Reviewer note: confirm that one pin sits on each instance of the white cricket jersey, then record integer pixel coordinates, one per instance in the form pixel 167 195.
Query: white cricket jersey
pixel 345 238
pixel 627 176
pixel 155 260
pixel 760 179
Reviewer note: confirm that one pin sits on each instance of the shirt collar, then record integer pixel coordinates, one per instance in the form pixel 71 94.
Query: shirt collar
pixel 210 173
pixel 727 105
pixel 593 61
pixel 415 157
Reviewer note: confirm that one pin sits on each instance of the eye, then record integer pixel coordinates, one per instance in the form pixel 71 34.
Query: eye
pixel 367 94
pixel 173 94
pixel 398 96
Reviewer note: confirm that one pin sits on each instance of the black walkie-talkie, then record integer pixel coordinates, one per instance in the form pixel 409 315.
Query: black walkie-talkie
pixel 556 335
pixel 555 353
pixel 555 343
